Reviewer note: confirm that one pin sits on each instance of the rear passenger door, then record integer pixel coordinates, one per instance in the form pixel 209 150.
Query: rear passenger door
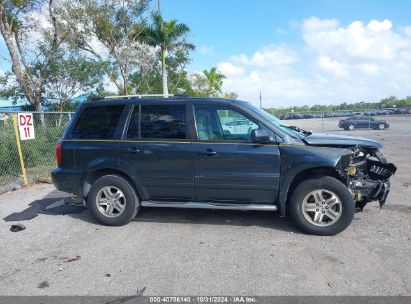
pixel 156 147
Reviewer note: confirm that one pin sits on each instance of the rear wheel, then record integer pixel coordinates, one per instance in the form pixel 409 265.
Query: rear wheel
pixel 322 206
pixel 112 200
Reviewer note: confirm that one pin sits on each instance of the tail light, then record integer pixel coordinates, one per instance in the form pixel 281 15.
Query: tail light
pixel 58 154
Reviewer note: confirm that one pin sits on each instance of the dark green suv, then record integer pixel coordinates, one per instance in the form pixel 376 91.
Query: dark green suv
pixel 120 154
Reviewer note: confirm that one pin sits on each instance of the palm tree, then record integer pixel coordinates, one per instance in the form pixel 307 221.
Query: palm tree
pixel 215 81
pixel 168 36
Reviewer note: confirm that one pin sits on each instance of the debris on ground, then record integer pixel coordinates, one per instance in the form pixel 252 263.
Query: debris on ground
pixel 44 179
pixel 76 258
pixel 17 227
pixel 43 284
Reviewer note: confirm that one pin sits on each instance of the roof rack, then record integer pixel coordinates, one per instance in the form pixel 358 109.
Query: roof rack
pixel 137 96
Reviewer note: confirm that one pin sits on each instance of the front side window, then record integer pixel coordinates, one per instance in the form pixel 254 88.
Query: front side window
pixel 97 122
pixel 159 121
pixel 215 123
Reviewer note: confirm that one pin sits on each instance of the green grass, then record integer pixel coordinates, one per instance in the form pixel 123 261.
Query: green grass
pixel 37 153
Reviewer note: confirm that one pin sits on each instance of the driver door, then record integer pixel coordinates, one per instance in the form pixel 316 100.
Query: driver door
pixel 228 166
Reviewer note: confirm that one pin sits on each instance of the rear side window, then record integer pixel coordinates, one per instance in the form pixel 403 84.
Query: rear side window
pixel 97 123
pixel 159 121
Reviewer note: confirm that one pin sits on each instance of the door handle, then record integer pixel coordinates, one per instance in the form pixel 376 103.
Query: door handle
pixel 208 152
pixel 133 150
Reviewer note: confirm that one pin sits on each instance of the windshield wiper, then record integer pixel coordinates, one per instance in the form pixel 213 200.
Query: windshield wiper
pixel 297 129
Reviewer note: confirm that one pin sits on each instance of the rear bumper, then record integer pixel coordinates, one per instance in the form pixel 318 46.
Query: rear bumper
pixel 66 180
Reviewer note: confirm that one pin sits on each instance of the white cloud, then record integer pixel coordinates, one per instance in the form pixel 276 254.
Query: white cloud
pixel 206 50
pixel 356 42
pixel 229 69
pixel 332 66
pixel 269 56
pixel 406 30
pixel 315 24
pixel 378 26
pixel 369 68
pixel 359 61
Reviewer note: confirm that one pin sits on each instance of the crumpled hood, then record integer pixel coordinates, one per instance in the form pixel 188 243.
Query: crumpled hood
pixel 323 139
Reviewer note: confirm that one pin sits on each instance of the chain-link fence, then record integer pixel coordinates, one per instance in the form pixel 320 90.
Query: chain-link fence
pixel 38 154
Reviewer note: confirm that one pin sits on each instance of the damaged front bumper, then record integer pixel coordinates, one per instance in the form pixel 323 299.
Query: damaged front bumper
pixel 368 176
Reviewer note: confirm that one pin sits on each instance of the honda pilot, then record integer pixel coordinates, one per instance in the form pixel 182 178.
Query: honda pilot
pixel 121 154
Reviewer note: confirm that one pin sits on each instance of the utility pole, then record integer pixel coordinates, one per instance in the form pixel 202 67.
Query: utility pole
pixel 261 105
pixel 159 7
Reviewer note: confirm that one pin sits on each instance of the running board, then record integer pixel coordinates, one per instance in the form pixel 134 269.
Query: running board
pixel 196 205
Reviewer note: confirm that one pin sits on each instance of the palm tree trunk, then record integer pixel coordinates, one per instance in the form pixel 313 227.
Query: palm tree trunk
pixel 164 72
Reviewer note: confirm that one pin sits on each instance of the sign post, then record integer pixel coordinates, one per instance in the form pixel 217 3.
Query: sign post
pixel 26 126
pixel 16 133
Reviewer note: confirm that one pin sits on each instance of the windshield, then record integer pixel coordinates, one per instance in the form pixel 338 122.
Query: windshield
pixel 291 130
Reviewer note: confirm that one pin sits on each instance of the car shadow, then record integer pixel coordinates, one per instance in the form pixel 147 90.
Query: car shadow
pixel 60 203
pixel 55 203
pixel 265 219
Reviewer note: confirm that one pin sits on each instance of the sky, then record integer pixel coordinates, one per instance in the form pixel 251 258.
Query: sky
pixel 302 52
pixel 299 52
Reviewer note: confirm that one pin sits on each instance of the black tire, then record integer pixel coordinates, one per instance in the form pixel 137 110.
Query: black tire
pixel 351 127
pixel 132 203
pixel 381 126
pixel 330 184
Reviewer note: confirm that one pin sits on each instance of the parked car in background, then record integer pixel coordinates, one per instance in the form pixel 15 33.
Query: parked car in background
pixel 363 121
pixel 308 116
pixel 238 126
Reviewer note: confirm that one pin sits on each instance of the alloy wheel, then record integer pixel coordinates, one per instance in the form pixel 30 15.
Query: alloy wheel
pixel 111 201
pixel 322 207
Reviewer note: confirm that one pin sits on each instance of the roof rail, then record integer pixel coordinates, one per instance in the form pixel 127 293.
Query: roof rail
pixel 137 96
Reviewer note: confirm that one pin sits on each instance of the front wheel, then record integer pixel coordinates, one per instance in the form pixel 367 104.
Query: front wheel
pixel 322 206
pixel 351 127
pixel 112 200
pixel 381 126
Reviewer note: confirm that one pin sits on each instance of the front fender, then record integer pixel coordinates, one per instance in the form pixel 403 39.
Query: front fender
pixel 296 159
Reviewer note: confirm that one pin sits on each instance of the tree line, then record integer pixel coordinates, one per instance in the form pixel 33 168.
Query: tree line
pixel 390 102
pixel 60 49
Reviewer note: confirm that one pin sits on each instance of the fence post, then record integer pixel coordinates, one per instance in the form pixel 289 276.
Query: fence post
pixel 23 168
pixel 322 121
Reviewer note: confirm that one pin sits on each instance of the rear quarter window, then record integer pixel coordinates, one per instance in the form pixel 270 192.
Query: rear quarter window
pixel 159 122
pixel 97 122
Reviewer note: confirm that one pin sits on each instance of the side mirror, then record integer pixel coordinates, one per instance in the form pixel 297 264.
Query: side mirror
pixel 260 136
